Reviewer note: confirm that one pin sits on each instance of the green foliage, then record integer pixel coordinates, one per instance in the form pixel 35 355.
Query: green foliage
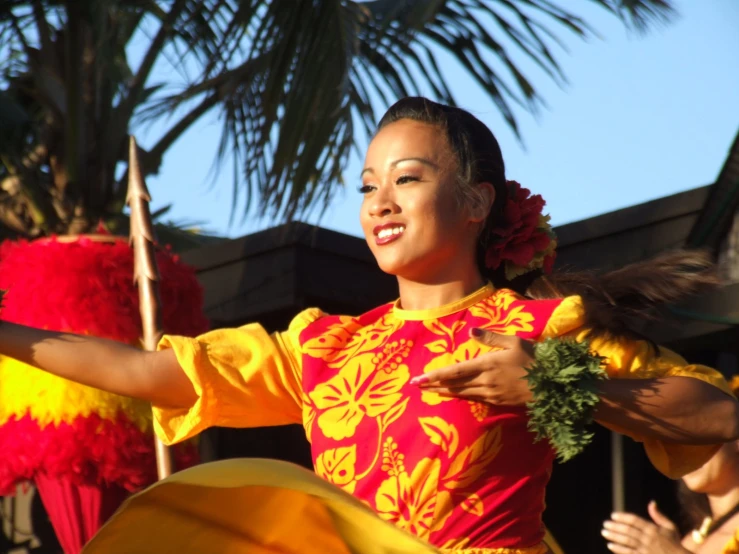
pixel 563 382
pixel 295 85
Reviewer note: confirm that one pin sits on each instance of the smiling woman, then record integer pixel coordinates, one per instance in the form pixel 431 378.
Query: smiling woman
pixel 417 408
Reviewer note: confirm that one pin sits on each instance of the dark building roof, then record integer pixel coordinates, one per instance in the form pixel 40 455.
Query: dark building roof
pixel 631 234
pixel 721 205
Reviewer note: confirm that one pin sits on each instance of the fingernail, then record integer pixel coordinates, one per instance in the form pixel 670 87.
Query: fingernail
pixel 476 332
pixel 420 380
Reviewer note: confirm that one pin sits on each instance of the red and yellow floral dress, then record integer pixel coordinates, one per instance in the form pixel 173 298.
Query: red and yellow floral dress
pixel 462 476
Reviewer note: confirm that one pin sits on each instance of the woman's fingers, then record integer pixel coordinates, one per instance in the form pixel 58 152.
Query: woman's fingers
pixel 505 342
pixel 630 520
pixel 625 539
pixel 474 393
pixel 631 534
pixel 463 370
pixel 496 377
pixel 621 549
pixel 627 533
pixel 620 528
pixel 659 518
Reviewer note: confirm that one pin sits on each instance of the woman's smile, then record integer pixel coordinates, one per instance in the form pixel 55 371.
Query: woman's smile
pixel 388 232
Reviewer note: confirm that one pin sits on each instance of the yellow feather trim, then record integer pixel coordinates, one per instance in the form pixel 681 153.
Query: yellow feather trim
pixel 25 389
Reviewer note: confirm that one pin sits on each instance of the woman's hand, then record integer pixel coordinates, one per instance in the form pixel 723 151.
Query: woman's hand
pixel 495 377
pixel 630 534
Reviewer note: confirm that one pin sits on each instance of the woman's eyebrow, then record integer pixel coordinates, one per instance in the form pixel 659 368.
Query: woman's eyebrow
pixel 424 161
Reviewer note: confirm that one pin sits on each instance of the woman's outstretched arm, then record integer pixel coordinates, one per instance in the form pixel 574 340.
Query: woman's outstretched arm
pixel 674 409
pixel 101 363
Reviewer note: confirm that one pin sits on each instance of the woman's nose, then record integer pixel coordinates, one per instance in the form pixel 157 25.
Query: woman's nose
pixel 383 204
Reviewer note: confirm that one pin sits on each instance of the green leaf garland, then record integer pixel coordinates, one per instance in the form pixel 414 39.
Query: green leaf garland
pixel 564 382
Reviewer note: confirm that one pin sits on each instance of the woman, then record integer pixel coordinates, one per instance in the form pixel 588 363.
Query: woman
pixel 710 498
pixel 416 408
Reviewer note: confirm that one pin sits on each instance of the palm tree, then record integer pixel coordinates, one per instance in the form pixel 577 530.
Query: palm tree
pixel 294 84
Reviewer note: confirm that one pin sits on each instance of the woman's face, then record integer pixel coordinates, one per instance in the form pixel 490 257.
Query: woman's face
pixel 411 214
pixel 717 475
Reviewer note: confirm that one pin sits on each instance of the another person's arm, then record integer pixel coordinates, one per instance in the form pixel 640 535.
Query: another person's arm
pixel 673 409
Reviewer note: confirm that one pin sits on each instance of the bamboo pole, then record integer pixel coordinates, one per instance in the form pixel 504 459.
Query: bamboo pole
pixel 146 274
pixel 618 478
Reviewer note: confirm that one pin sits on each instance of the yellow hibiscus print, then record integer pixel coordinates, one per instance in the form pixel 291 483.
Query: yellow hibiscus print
pixel 358 389
pixel 392 355
pixel 467 351
pixel 338 466
pixel 501 318
pixel 479 410
pixel 467 466
pixel 441 433
pixel 348 338
pixel 409 501
pixel 309 415
pixel 393 462
pixel 336 337
pixel 447 343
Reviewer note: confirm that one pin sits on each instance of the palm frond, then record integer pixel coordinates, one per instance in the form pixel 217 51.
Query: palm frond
pixel 297 85
pixel 291 122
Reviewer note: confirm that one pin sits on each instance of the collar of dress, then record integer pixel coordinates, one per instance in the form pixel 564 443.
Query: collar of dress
pixel 446 309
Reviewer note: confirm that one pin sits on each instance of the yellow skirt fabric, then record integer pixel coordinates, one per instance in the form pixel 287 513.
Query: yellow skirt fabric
pixel 255 506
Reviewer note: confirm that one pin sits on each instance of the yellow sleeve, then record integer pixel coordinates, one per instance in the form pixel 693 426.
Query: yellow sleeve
pixel 243 377
pixel 636 359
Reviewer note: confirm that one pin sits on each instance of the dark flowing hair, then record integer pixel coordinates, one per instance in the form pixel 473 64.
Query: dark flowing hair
pixel 613 301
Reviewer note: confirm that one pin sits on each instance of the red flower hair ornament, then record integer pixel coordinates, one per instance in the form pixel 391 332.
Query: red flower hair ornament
pixel 524 240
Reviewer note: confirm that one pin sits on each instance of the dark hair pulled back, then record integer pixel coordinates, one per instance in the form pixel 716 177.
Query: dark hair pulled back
pixel 614 300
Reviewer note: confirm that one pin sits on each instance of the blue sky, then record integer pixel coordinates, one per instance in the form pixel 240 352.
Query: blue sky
pixel 641 117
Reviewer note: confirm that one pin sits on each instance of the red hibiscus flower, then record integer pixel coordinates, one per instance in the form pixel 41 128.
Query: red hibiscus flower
pixel 523 238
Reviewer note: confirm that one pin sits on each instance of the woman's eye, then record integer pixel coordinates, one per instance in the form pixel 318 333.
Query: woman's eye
pixel 364 189
pixel 405 179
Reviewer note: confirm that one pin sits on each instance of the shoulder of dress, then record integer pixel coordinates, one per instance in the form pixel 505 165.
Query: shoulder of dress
pixel 304 319
pixel 530 318
pixel 313 322
pixel 506 298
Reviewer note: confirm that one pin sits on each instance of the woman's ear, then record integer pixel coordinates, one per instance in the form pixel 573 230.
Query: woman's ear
pixel 484 202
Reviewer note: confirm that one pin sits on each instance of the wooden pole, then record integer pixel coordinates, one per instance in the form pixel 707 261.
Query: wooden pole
pixel 617 472
pixel 146 274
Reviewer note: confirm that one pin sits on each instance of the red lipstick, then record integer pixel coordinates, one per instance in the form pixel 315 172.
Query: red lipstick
pixel 388 232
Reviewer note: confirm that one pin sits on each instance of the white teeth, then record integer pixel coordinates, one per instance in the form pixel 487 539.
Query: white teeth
pixel 388 232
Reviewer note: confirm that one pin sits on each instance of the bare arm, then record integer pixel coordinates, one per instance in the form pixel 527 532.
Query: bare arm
pixel 673 409
pixel 101 363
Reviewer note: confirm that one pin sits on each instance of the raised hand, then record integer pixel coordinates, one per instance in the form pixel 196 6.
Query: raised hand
pixel 495 377
pixel 630 534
